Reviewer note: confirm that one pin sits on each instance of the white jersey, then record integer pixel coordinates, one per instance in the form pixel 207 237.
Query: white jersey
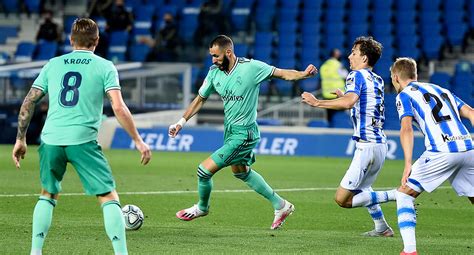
pixel 436 112
pixel 368 114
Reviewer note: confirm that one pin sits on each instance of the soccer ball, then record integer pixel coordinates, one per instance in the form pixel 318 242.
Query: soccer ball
pixel 133 217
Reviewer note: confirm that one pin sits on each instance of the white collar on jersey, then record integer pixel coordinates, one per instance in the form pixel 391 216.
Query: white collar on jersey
pixel 233 68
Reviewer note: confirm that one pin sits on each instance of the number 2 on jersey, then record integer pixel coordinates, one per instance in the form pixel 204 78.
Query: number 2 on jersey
pixel 69 95
pixel 437 108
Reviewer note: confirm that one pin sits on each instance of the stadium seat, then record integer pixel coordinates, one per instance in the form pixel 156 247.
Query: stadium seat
pixel 335 28
pixel 288 14
pixel 283 87
pixel 24 52
pixel 361 16
pixel 287 39
pixel 269 122
pixel 188 24
pixel 139 52
pixel 453 5
pixel 4 58
pixel 336 4
pixel 382 6
pixel 117 46
pixel 311 15
pixel 7 31
pixel 309 85
pixel 403 5
pixel 313 4
pixel 318 123
pixel 442 79
pixel 382 17
pixel 240 18
pixel 45 50
pixel 10 6
pixel 241 50
pixel 355 30
pixel 310 28
pixel 287 26
pixel 334 15
pixel 263 39
pixel 341 119
pixel 310 40
pixel 32 6
pixel 431 46
pixel 264 19
pixel 463 66
pixel 265 88
pixel 455 33
pixel 429 5
pixel 263 53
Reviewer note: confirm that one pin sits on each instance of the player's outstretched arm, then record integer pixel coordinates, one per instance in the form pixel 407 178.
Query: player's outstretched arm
pixel 293 75
pixel 468 113
pixel 406 139
pixel 347 101
pixel 192 109
pixel 124 117
pixel 26 112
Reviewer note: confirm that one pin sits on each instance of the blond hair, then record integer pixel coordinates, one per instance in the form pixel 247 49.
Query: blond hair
pixel 405 68
pixel 84 32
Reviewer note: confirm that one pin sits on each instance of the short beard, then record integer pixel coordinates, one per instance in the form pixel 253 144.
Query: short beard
pixel 225 64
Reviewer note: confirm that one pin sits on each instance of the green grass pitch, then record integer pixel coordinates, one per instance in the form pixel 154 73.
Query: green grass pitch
pixel 238 223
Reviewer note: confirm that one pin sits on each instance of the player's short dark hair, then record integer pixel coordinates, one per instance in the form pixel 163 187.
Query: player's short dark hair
pixel 223 41
pixel 405 68
pixel 369 47
pixel 84 32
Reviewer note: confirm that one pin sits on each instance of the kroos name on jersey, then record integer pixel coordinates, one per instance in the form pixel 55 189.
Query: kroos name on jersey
pixel 76 61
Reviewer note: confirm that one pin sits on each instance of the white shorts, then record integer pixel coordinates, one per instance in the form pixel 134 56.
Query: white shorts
pixel 433 168
pixel 365 166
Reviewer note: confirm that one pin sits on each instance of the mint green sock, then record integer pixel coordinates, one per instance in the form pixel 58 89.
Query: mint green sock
pixel 42 217
pixel 115 226
pixel 257 183
pixel 204 188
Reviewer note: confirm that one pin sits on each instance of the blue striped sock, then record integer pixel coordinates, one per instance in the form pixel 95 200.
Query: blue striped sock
pixel 406 220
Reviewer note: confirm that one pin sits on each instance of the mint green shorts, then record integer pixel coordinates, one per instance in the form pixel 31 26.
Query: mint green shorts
pixel 239 142
pixel 88 160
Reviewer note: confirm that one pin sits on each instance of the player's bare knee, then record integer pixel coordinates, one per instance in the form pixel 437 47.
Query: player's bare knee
pixel 342 202
pixel 49 195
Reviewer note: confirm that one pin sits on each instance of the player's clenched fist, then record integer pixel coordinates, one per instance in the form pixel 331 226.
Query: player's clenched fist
pixel 174 129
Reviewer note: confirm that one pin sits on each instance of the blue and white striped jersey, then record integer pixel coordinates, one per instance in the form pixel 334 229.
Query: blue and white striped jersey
pixel 436 112
pixel 368 114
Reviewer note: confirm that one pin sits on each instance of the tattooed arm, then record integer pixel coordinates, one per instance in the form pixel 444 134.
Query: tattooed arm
pixel 26 112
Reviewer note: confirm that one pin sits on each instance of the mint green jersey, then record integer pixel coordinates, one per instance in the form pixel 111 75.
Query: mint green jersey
pixel 76 83
pixel 238 89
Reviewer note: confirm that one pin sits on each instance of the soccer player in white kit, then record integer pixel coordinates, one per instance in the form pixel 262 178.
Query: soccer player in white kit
pixel 449 151
pixel 365 97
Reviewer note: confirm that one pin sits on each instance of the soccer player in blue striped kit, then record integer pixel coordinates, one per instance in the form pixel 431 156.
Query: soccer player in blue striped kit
pixel 365 97
pixel 449 151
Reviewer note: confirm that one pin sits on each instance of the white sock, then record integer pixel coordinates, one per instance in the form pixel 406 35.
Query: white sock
pixel 376 213
pixel 406 220
pixel 368 198
pixel 35 252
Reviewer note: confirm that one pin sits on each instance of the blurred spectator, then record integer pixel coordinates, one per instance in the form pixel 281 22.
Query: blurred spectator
pixel 166 43
pixel 48 30
pixel 119 18
pixel 211 21
pixel 100 8
pixel 333 75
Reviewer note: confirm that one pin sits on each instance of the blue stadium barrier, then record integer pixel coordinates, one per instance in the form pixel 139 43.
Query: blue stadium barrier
pixel 198 139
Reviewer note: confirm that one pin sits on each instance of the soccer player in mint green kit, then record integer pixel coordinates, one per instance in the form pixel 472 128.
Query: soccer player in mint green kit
pixel 237 81
pixel 77 83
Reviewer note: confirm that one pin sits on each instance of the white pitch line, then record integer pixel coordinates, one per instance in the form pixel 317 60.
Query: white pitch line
pixel 195 191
